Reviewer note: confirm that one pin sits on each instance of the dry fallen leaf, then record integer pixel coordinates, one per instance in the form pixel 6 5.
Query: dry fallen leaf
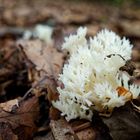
pixel 45 58
pixel 21 123
pixel 124 124
pixel 6 132
pixel 48 61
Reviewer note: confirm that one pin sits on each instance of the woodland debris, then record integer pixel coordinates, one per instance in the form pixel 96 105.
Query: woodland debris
pixel 84 129
pixel 6 132
pixel 45 58
pixel 87 134
pixel 82 126
pixel 49 136
pixel 21 121
pixel 17 123
pixel 123 122
pixel 62 130
pixel 13 71
pixel 48 62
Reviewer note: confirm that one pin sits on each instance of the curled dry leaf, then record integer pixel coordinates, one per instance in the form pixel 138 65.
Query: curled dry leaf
pixel 8 106
pixel 21 122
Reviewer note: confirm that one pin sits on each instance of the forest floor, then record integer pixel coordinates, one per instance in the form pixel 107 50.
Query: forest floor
pixel 26 93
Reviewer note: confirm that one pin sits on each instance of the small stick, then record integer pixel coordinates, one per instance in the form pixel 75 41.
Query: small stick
pixel 38 83
pixel 81 127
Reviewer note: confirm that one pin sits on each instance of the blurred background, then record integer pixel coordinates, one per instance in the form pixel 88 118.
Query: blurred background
pixel 65 16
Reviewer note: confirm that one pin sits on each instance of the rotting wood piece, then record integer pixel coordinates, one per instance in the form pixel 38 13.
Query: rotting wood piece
pixel 62 130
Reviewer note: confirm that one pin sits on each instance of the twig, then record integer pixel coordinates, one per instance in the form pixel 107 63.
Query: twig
pixel 38 83
pixel 81 127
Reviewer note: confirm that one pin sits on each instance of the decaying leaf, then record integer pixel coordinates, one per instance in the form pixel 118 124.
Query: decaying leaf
pixel 54 113
pixel 20 123
pixel 129 67
pixel 6 132
pixel 124 124
pixel 101 129
pixel 48 61
pixel 45 58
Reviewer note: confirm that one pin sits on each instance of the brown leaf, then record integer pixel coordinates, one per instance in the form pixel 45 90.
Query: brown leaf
pixel 6 132
pixel 52 92
pixel 44 57
pixel 124 124
pixel 54 113
pixel 21 122
pixel 48 61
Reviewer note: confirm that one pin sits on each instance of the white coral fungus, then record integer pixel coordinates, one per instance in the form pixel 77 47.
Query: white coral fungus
pixel 42 32
pixel 92 79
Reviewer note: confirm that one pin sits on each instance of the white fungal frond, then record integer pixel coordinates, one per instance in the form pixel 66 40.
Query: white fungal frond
pixel 92 78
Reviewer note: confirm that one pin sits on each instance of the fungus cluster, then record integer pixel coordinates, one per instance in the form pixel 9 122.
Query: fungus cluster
pixel 92 77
